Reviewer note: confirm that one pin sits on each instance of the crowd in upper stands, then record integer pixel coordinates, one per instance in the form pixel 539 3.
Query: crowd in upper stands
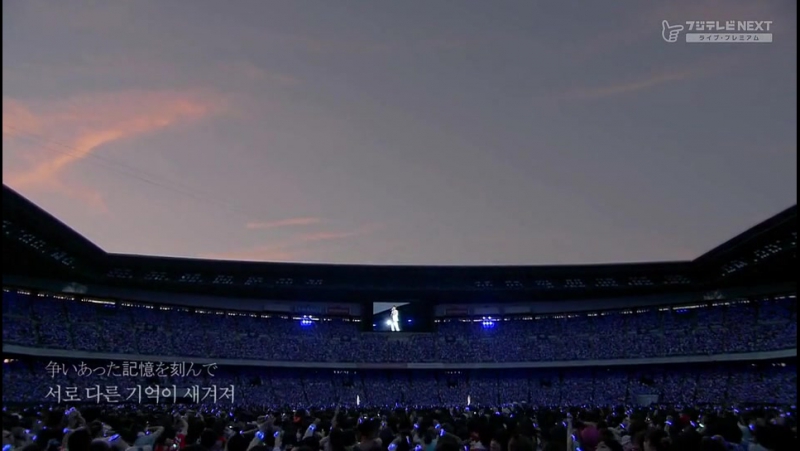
pixel 736 327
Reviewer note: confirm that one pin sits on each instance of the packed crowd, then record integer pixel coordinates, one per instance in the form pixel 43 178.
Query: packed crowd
pixel 29 380
pixel 135 405
pixel 510 428
pixel 143 330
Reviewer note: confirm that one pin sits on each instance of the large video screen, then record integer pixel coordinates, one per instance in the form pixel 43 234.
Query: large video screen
pixel 401 317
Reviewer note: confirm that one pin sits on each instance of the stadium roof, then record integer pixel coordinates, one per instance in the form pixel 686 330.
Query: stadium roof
pixel 40 245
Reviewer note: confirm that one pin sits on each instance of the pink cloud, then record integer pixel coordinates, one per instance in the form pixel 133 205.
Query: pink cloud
pixel 16 117
pixel 87 123
pixel 706 68
pixel 628 87
pixel 326 236
pixel 282 223
pixel 291 249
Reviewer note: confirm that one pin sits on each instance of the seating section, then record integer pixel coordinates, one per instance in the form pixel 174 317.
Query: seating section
pixel 741 327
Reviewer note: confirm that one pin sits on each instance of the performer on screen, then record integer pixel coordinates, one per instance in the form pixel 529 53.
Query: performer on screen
pixel 394 324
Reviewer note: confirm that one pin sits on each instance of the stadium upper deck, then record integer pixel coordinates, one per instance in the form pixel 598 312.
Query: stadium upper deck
pixel 40 246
